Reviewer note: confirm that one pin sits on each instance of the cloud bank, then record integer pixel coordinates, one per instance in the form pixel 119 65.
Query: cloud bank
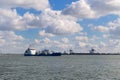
pixel 62 25
pixel 37 4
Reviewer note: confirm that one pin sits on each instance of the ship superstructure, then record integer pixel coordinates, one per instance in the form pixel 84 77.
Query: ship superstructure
pixel 30 52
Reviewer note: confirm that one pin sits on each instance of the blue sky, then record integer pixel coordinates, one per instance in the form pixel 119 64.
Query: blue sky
pixel 61 4
pixel 60 25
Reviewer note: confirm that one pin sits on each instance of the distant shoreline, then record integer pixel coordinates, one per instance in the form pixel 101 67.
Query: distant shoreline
pixel 92 54
pixel 68 54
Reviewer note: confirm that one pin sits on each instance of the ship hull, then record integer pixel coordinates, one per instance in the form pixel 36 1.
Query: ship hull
pixel 54 54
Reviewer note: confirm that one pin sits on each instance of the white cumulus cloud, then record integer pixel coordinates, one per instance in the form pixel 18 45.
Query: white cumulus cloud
pixel 92 8
pixel 80 9
pixel 10 20
pixel 44 34
pixel 10 36
pixel 37 4
pixel 65 40
pixel 11 42
pixel 57 23
pixel 100 28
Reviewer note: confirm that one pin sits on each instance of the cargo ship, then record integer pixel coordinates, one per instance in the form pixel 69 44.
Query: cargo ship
pixel 33 52
pixel 92 51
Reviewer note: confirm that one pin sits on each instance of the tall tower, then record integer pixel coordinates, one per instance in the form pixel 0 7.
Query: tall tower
pixel 71 51
pixel 92 51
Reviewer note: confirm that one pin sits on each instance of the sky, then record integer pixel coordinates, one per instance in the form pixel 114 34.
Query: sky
pixel 60 25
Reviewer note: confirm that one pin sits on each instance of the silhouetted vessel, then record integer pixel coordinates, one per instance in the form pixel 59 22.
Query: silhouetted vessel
pixel 92 51
pixel 33 52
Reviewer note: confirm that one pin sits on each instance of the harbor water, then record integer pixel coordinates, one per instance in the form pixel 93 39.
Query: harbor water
pixel 65 67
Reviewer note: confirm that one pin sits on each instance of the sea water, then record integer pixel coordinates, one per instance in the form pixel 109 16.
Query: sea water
pixel 65 67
